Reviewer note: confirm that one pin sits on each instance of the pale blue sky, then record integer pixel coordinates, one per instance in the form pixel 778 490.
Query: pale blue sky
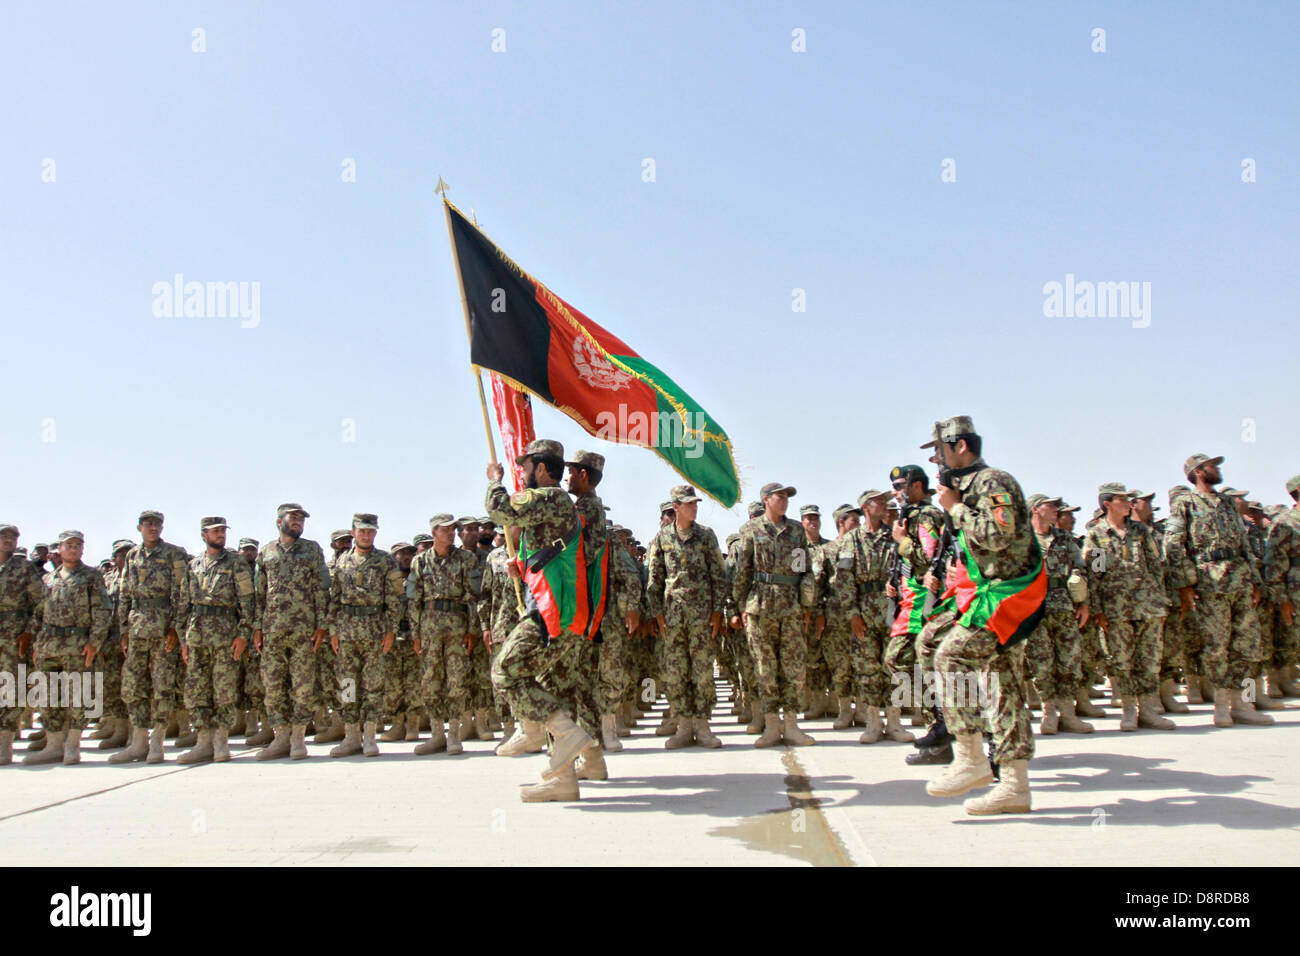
pixel 776 170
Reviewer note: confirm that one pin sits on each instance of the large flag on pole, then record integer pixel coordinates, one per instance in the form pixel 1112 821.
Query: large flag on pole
pixel 535 340
pixel 514 421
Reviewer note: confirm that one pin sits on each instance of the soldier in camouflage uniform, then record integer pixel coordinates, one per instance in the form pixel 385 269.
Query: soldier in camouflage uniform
pixel 20 593
pixel 498 613
pixel 216 610
pixel 70 622
pixel 292 586
pixel 366 603
pixel 858 589
pixel 817 682
pixel 774 586
pixel 686 593
pixel 614 683
pixel 402 668
pixel 1052 652
pixel 256 725
pixel 1266 689
pixel 1171 644
pixel 988 512
pixel 114 727
pixel 149 591
pixel 440 602
pixel 329 715
pixel 831 616
pixel 522 671
pixel 1217 576
pixel 478 680
pixel 1282 578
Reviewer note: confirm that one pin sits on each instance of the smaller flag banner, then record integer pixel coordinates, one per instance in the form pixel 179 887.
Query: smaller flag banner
pixel 515 422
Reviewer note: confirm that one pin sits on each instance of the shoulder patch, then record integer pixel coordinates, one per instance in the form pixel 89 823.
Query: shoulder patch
pixel 1002 498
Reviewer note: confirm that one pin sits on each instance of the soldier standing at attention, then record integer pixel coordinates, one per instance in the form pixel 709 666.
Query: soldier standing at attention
pixel 20 593
pixel 257 727
pixel 1282 576
pixel 622 618
pixel 1218 578
pixel 441 604
pixel 366 604
pixel 70 622
pixel 216 609
pixel 148 594
pixel 773 585
pixel 985 634
pixel 329 720
pixel 402 667
pixel 292 588
pixel 818 674
pixel 114 727
pixel 521 673
pixel 477 694
pixel 686 594
pixel 498 613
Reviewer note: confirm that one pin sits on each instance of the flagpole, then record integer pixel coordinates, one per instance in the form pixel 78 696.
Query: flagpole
pixel 441 190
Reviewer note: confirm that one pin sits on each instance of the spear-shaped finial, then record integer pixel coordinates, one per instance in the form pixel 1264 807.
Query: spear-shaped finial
pixel 441 188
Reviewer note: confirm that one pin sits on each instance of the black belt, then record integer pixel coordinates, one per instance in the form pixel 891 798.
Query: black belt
pixel 360 610
pixel 542 556
pixel 221 610
pixel 438 604
pixel 73 631
pixel 1218 554
pixel 1057 582
pixel 152 602
pixel 764 578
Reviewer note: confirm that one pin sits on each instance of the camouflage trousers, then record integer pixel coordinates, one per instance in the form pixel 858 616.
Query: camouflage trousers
pixel 745 673
pixel 480 675
pixel 612 679
pixel 402 674
pixel 837 644
pixel 521 672
pixel 327 697
pixel 1175 645
pixel 212 683
pixel 867 653
pixel 151 674
pixel 290 674
pixel 63 667
pixel 359 678
pixel 1053 655
pixel 983 686
pixel 817 675
pixel 574 679
pixel 908 656
pixel 1134 647
pixel 10 716
pixel 498 699
pixel 1286 640
pixel 1229 632
pixel 254 696
pixel 688 661
pixel 444 680
pixel 109 662
pixel 1092 657
pixel 778 645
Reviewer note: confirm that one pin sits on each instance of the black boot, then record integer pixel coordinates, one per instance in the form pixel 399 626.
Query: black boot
pixel 993 764
pixel 928 755
pixel 937 736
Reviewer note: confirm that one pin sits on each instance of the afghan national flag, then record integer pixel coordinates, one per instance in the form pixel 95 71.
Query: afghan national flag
pixel 597 587
pixel 538 342
pixel 911 607
pixel 515 421
pixel 1010 608
pixel 560 589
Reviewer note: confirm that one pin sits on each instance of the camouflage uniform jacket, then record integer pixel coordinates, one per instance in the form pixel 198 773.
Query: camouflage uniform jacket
pixel 1200 525
pixel 626 589
pixel 924 529
pixel 994 519
pixel 292 586
pixel 1125 573
pixel 1282 567
pixel 449 577
pixel 779 550
pixel 594 530
pixel 1062 558
pixel 859 572
pixel 687 570
pixel 150 577
pixel 544 514
pixel 222 581
pixel 20 592
pixel 498 606
pixel 72 598
pixel 369 580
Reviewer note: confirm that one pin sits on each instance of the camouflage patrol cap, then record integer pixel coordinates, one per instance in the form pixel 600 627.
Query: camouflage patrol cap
pixel 1112 488
pixel 870 495
pixel 20 550
pixel 1293 484
pixel 1197 460
pixel 39 545
pixel 289 507
pixel 421 538
pixel 149 513
pixel 893 505
pixel 810 510
pixel 69 535
pixel 950 429
pixel 845 509
pixel 546 447
pixel 365 520
pixel 212 521
pixel 443 520
pixel 683 494
pixel 1065 508
pixel 1135 495
pixel 1255 506
pixel 122 544
pixel 755 509
pixel 587 459
pixel 340 534
pixel 11 528
pixel 1177 491
pixel 1233 492
pixel 499 529
pixel 665 506
pixel 400 546
pixel 247 543
pixel 465 522
pixel 105 564
pixel 1036 500
pixel 485 520
pixel 772 487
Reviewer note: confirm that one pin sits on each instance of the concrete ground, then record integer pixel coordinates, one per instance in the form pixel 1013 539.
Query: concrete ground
pixel 1197 795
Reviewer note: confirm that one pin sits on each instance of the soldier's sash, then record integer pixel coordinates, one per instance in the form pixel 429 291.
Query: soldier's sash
pixel 911 607
pixel 597 589
pixel 1010 608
